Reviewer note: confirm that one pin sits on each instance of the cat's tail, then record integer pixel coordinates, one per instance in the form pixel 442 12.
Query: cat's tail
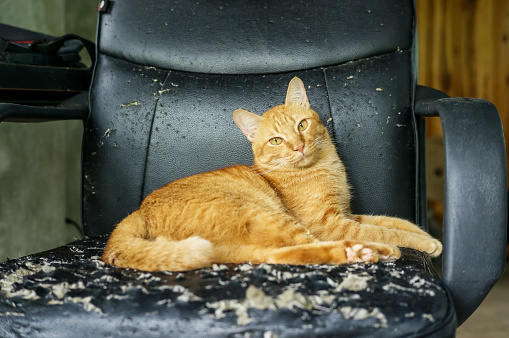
pixel 130 246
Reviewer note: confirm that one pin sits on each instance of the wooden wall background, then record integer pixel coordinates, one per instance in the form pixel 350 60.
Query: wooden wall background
pixel 464 51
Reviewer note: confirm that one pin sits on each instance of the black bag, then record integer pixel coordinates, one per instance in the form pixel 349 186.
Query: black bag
pixel 22 46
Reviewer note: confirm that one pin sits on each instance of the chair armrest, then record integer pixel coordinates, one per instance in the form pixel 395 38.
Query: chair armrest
pixel 74 108
pixel 475 199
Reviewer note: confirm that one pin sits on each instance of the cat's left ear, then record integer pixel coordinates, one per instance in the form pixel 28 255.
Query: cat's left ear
pixel 247 122
pixel 297 93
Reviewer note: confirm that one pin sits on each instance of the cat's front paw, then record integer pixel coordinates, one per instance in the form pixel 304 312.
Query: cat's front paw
pixel 373 252
pixel 435 248
pixel 357 253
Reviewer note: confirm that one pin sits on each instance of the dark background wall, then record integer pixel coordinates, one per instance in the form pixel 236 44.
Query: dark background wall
pixel 40 162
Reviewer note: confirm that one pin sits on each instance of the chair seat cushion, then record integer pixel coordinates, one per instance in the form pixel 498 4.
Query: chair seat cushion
pixel 70 290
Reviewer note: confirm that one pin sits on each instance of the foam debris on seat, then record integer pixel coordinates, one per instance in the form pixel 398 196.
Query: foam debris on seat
pixel 239 298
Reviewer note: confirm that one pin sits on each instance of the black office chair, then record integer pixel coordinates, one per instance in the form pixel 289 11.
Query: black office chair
pixel 167 78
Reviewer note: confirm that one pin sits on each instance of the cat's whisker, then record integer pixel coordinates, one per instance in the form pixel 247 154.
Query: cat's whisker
pixel 331 140
pixel 279 163
pixel 321 141
pixel 283 163
pixel 273 162
pixel 321 144
pixel 320 138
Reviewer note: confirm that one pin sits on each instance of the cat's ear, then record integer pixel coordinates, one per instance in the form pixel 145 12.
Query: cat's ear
pixel 247 122
pixel 297 93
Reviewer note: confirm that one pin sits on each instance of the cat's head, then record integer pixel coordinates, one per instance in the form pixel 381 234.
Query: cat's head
pixel 288 136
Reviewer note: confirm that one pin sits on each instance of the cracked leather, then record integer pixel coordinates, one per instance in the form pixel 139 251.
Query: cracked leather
pixel 69 289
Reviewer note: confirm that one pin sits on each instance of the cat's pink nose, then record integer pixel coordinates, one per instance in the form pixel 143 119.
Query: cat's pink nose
pixel 299 148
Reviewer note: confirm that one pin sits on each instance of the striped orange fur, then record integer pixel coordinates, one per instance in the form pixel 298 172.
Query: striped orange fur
pixel 291 207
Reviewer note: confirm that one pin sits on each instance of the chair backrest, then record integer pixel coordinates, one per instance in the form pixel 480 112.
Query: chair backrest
pixel 169 75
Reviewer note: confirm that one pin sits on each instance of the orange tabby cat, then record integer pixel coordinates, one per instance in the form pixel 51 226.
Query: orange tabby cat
pixel 291 207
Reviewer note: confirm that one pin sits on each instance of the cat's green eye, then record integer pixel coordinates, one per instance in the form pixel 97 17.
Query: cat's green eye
pixel 276 141
pixel 302 125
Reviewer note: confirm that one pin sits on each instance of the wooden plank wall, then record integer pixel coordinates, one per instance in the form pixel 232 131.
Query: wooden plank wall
pixel 464 51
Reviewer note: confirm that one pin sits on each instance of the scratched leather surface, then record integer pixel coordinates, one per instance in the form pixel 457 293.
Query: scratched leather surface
pixel 253 37
pixel 150 126
pixel 69 289
pixel 169 75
